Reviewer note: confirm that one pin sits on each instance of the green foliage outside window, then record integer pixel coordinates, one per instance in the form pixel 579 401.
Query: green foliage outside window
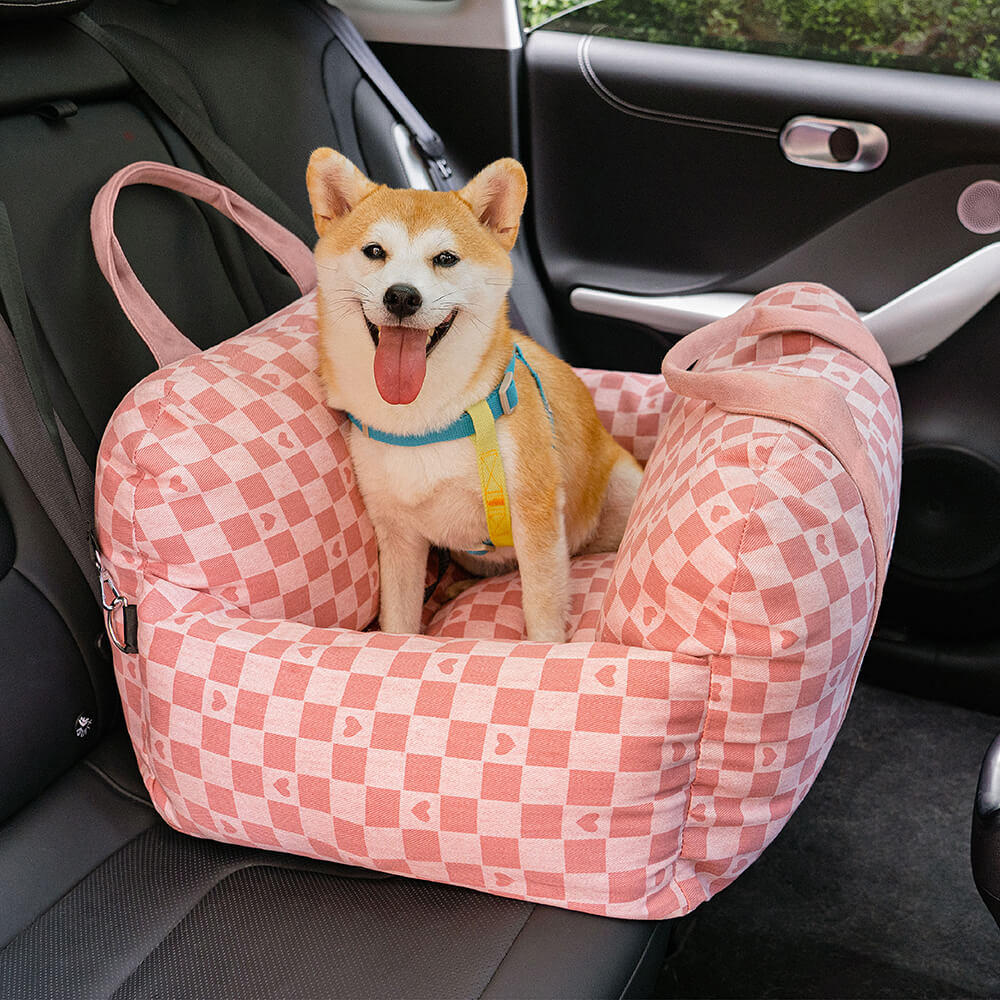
pixel 960 37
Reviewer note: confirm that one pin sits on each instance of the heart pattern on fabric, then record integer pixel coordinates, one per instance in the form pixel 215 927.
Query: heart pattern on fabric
pixel 606 675
pixel 596 728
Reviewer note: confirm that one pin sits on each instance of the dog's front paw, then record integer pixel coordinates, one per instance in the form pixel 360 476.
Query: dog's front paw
pixel 546 632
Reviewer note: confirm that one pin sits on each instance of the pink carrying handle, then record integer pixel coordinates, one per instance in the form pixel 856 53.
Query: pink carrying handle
pixel 160 335
pixel 810 403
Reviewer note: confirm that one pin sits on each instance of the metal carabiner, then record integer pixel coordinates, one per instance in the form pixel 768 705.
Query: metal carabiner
pixel 118 600
pixel 123 645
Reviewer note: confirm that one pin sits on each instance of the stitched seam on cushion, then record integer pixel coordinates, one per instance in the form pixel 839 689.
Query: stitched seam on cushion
pixel 147 439
pixel 513 941
pixel 698 778
pixel 227 872
pixel 147 748
pixel 117 786
pixel 682 854
pixel 781 437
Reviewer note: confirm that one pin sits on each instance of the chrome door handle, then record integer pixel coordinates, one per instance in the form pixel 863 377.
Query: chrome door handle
pixel 834 144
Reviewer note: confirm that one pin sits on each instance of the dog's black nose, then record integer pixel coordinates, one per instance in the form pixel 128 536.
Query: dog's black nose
pixel 402 300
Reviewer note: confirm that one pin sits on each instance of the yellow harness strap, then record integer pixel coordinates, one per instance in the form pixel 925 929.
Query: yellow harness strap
pixel 491 475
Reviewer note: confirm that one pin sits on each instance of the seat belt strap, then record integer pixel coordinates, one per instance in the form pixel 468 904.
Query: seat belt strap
pixel 14 297
pixel 426 139
pixel 60 480
pixel 198 131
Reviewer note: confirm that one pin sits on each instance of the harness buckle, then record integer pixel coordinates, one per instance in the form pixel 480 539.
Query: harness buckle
pixel 507 403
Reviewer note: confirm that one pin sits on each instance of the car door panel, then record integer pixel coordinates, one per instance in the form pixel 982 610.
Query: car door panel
pixel 679 149
pixel 658 170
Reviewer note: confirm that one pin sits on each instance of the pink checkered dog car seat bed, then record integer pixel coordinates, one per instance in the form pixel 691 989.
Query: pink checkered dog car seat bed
pixel 632 771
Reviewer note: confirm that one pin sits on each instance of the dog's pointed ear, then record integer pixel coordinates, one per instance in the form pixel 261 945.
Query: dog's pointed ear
pixel 496 196
pixel 335 186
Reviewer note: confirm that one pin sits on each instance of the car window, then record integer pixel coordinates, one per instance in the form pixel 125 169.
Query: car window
pixel 960 37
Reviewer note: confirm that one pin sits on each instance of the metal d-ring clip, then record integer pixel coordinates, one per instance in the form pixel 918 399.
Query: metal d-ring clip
pixel 127 644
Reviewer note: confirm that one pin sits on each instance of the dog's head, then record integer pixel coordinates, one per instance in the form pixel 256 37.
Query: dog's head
pixel 412 283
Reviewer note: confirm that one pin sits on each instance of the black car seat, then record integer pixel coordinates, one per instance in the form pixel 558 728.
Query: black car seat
pixel 99 897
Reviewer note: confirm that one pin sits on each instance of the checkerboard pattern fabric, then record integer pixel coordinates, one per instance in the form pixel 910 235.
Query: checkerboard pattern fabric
pixel 632 771
pixel 226 474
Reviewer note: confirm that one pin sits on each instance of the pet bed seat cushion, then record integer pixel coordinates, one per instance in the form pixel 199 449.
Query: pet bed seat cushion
pixel 632 771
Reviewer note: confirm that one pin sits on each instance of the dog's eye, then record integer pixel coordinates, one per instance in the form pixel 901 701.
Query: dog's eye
pixel 374 251
pixel 446 259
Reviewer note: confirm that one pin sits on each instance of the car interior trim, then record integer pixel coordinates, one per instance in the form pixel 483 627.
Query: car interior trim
pixel 907 327
pixel 481 24
pixel 409 158
pixel 655 114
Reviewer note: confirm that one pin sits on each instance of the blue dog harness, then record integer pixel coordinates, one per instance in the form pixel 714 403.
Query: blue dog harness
pixel 479 422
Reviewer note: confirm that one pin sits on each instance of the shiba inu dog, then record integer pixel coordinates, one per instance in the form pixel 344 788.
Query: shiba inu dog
pixel 467 434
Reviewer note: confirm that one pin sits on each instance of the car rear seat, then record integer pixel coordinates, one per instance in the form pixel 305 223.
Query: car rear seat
pixel 99 896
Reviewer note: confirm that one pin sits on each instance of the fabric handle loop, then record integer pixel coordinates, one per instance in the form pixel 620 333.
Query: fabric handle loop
pixel 811 403
pixel 161 336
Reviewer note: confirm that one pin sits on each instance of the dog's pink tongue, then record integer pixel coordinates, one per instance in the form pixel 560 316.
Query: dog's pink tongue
pixel 400 363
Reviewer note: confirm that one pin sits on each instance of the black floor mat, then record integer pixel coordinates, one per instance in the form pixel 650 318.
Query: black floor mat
pixel 868 891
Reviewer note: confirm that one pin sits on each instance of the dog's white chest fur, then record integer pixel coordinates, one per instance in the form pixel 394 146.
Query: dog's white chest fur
pixel 432 490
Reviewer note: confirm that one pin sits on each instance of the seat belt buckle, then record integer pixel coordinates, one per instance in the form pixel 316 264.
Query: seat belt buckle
pixel 441 164
pixel 433 152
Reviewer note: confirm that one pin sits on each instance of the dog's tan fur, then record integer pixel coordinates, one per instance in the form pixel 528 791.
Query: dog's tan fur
pixel 569 492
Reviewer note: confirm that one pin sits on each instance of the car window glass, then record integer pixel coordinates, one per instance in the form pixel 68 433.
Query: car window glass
pixel 960 37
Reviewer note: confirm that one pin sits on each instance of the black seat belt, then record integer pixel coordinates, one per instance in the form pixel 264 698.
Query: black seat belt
pixel 57 474
pixel 227 163
pixel 231 169
pixel 427 141
pixel 29 426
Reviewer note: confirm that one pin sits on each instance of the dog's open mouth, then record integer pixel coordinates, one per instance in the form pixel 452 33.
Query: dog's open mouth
pixel 401 354
pixel 437 334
